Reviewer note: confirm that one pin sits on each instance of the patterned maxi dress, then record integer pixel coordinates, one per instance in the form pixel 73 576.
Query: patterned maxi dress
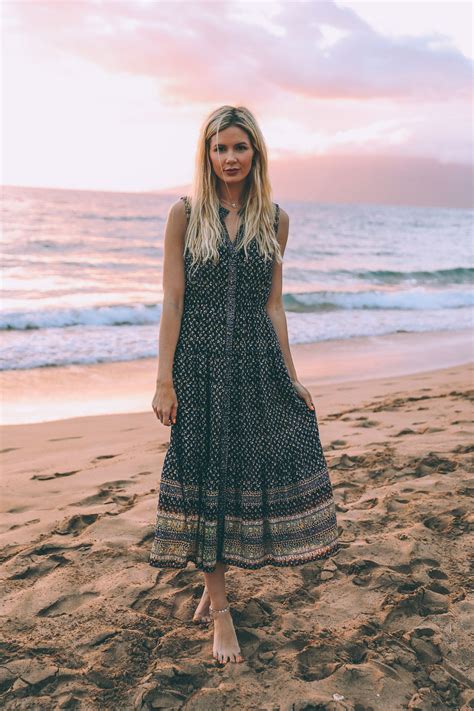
pixel 244 480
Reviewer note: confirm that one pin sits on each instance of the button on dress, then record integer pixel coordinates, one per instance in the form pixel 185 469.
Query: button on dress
pixel 244 480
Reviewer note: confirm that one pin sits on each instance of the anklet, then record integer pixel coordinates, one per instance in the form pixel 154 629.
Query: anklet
pixel 223 609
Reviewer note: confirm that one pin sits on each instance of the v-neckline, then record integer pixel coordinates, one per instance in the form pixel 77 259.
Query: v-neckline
pixel 223 211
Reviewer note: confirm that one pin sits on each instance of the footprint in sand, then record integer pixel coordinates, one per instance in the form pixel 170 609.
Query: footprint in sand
pixel 337 444
pixel 75 524
pixel 62 439
pixel 415 603
pixel 256 613
pixel 364 505
pixel 366 422
pixel 47 548
pixel 101 497
pixel 25 523
pixel 454 522
pixel 118 483
pixel 345 462
pixel 440 589
pixel 463 449
pixel 32 572
pixel 362 571
pixel 433 463
pixel 105 456
pixel 467 395
pixel 106 493
pixel 8 449
pixel 437 574
pixel 67 603
pixel 183 603
pixel 55 475
pixel 317 661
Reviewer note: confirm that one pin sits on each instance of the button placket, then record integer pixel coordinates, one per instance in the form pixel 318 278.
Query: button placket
pixel 230 319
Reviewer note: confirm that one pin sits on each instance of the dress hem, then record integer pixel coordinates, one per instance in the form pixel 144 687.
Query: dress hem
pixel 227 560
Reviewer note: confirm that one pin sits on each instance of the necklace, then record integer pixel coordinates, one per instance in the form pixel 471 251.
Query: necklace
pixel 234 204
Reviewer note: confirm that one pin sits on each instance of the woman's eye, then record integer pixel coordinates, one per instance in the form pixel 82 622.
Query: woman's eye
pixel 218 149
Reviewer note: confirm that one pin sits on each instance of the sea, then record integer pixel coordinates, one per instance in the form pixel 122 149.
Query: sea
pixel 82 273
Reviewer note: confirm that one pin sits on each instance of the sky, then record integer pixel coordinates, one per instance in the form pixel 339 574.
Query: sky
pixel 110 94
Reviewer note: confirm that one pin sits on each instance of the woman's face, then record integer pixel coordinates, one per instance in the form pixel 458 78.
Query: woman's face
pixel 234 151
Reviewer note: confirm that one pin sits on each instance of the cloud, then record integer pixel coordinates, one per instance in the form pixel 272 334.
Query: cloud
pixel 203 52
pixel 382 179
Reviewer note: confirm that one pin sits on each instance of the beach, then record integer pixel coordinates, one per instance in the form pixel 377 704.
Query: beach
pixel 383 624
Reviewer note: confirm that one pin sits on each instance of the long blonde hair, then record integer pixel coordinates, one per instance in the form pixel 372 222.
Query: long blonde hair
pixel 204 232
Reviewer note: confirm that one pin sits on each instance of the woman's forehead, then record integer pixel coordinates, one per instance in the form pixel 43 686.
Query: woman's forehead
pixel 231 134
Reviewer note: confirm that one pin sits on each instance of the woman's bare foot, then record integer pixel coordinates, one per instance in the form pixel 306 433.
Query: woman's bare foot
pixel 201 615
pixel 225 647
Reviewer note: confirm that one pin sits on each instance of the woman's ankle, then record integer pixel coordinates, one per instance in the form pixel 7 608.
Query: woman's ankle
pixel 219 604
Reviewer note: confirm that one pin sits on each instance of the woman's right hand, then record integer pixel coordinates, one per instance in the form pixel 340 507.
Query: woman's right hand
pixel 165 403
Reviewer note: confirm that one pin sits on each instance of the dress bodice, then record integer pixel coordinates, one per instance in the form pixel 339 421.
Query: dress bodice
pixel 237 283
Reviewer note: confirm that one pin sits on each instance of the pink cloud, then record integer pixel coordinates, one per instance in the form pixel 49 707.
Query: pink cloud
pixel 383 179
pixel 202 52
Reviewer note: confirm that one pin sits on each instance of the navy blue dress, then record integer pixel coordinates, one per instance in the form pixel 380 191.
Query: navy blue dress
pixel 244 480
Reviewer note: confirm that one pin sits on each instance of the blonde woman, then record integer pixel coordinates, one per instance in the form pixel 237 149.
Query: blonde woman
pixel 244 482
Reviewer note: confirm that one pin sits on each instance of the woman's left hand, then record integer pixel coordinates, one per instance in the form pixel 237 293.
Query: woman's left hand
pixel 303 393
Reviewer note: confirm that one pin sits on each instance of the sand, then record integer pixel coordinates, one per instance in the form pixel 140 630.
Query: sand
pixel 384 624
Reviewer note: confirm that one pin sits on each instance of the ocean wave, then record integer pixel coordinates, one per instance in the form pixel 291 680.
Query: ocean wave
pixel 148 314
pixel 414 299
pixel 457 275
pixel 113 315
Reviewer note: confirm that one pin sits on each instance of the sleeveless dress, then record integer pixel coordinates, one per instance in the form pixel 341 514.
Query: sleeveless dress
pixel 244 480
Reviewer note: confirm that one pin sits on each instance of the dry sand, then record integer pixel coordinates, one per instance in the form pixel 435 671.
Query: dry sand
pixel 384 624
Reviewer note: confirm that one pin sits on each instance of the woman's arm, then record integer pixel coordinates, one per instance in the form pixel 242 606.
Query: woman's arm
pixel 276 311
pixel 274 306
pixel 165 402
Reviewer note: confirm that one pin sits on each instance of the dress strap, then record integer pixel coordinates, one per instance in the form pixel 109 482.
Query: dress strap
pixel 187 205
pixel 277 217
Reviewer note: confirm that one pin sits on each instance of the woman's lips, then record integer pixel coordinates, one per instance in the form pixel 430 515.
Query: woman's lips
pixel 232 170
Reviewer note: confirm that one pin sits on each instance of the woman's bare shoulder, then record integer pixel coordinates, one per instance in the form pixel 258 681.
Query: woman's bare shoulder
pixel 178 208
pixel 284 217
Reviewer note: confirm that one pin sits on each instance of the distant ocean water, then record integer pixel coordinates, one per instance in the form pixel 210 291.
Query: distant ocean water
pixel 82 273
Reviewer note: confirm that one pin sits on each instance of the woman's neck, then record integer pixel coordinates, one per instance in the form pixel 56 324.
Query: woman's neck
pixel 235 194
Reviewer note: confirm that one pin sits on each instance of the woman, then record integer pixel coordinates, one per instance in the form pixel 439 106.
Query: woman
pixel 244 480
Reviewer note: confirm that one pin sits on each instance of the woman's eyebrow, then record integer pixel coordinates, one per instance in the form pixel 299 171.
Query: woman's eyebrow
pixel 223 145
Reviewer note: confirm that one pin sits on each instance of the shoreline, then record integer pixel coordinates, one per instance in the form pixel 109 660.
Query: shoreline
pixel 64 392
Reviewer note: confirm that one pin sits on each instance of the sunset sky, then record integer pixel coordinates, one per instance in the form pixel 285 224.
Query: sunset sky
pixel 110 95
